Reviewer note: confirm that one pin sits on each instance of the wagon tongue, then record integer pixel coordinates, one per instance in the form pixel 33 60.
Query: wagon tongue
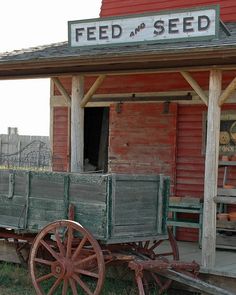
pixel 184 273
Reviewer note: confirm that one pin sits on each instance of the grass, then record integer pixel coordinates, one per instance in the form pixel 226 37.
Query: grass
pixel 15 280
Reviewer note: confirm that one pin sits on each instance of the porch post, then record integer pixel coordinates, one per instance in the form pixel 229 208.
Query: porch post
pixel 77 125
pixel 211 170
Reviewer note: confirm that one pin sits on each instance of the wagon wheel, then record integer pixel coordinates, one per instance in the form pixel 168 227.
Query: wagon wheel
pixel 150 249
pixel 72 260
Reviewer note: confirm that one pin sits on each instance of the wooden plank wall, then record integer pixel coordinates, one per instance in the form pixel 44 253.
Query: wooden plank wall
pixel 124 7
pixel 190 159
pixel 60 139
pixel 15 143
pixel 155 82
pixel 143 139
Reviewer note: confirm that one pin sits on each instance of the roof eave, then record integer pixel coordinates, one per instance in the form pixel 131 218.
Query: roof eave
pixel 124 61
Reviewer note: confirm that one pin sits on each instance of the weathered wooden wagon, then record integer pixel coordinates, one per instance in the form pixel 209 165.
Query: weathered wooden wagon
pixel 75 224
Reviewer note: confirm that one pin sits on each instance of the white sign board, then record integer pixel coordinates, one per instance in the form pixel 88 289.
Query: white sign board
pixel 165 27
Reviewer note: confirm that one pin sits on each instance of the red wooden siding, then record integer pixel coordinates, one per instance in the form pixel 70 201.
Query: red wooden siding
pixel 60 139
pixel 147 82
pixel 190 159
pixel 143 139
pixel 125 7
pixel 190 156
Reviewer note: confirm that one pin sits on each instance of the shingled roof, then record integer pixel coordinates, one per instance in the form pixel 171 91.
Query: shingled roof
pixel 61 58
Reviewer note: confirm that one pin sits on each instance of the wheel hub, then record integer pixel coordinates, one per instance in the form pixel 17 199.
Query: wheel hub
pixel 58 269
pixel 63 268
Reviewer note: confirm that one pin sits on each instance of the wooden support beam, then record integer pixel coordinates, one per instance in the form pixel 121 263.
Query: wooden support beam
pixel 51 113
pixel 62 90
pixel 92 90
pixel 77 125
pixel 103 145
pixel 196 87
pixel 227 92
pixel 211 170
pixel 225 200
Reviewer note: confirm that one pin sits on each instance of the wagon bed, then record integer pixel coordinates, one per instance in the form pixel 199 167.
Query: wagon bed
pixel 115 208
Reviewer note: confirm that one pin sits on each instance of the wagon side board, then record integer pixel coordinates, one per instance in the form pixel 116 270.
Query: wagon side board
pixel 13 194
pixel 31 200
pixel 138 207
pixel 115 208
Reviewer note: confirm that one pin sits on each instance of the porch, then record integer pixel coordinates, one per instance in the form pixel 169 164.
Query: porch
pixel 223 274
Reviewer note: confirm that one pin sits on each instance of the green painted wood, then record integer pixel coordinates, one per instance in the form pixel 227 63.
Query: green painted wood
pixel 16 200
pixel 183 210
pixel 45 188
pixel 45 215
pixel 136 204
pixel 12 206
pixel 113 207
pixel 187 206
pixel 12 222
pixel 184 224
pixel 4 179
pixel 20 187
pixel 49 204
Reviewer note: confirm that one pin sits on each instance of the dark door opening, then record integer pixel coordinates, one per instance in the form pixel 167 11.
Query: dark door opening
pixel 96 130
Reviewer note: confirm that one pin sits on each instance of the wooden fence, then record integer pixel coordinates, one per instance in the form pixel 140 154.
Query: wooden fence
pixel 25 151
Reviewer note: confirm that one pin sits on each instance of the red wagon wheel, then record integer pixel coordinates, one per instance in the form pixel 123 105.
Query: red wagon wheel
pixel 151 249
pixel 66 259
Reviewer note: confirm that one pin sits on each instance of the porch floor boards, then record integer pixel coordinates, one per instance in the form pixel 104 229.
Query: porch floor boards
pixel 225 259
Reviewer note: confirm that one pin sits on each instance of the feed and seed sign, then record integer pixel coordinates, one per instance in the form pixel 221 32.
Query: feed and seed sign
pixel 201 23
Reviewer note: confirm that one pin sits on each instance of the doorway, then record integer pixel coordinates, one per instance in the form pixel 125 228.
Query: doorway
pixel 96 131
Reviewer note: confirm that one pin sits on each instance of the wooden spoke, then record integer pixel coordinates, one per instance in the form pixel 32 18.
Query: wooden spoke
pixel 156 244
pixel 69 242
pixel 43 261
pixel 151 251
pixel 73 287
pixel 87 273
pixel 54 286
pixel 78 249
pixel 50 250
pixel 44 278
pixel 59 243
pixel 85 260
pixel 82 284
pixel 68 263
pixel 65 287
pixel 146 244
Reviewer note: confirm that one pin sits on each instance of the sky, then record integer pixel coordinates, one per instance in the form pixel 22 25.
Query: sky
pixel 25 103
